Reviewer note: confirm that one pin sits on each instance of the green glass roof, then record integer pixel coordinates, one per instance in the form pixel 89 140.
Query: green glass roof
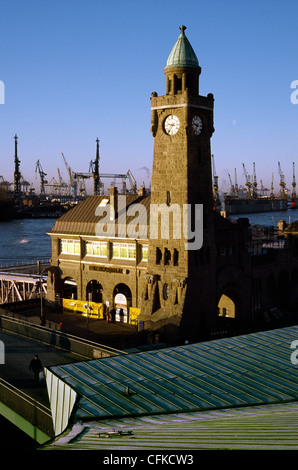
pixel 182 54
pixel 247 370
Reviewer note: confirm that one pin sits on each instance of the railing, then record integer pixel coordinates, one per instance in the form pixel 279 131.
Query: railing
pixel 22 262
pixel 50 335
pixel 31 410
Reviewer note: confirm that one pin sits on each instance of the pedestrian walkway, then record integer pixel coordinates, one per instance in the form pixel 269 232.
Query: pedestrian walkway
pixel 17 356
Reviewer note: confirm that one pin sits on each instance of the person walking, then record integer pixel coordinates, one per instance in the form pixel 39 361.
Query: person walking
pixel 36 367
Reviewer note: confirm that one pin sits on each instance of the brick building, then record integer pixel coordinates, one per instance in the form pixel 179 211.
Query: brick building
pixel 110 250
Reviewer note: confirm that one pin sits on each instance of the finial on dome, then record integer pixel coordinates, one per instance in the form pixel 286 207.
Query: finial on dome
pixel 182 28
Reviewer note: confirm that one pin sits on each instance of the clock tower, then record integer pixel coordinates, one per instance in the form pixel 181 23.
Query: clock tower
pixel 179 285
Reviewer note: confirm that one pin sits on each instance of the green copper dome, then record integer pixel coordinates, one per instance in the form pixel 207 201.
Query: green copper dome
pixel 182 54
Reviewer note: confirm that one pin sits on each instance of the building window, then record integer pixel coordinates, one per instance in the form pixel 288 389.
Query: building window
pixel 70 247
pixel 158 255
pixel 168 198
pixel 175 257
pixel 167 256
pixel 165 291
pixel 124 251
pixel 96 248
pixel 144 253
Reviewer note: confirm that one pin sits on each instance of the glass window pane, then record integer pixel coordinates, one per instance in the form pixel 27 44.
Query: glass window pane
pixel 132 251
pixel 103 249
pixel 116 251
pixel 96 249
pixel 144 252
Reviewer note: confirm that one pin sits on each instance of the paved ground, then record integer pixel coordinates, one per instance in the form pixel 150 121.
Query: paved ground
pixel 19 350
pixel 18 353
pixel 117 335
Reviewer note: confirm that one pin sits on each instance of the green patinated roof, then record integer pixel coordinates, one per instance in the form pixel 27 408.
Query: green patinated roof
pixel 182 54
pixel 229 393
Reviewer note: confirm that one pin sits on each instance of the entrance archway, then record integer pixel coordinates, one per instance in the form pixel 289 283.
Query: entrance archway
pixel 226 307
pixel 122 302
pixel 70 290
pixel 94 291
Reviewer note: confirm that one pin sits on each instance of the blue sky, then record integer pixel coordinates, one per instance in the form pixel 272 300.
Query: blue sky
pixel 77 70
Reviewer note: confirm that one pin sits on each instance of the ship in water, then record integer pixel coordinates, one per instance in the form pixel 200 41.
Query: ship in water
pixel 250 200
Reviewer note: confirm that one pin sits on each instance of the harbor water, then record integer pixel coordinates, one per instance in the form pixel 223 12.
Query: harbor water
pixel 23 241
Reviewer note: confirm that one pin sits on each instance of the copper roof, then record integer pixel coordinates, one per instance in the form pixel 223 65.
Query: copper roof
pixel 81 220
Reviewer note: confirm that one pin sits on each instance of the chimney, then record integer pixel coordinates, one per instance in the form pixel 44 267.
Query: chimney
pixel 142 191
pixel 114 201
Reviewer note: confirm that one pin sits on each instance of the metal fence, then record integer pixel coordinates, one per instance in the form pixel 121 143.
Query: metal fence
pixel 31 410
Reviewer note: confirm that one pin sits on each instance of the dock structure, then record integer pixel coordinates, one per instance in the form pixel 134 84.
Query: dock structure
pixel 15 287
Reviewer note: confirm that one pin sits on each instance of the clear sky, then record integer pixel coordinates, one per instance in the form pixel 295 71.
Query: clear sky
pixel 75 70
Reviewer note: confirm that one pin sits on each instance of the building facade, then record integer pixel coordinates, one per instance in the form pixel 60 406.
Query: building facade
pixel 168 260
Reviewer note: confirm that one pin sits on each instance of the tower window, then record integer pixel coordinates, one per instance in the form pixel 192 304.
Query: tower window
pixel 179 84
pixel 175 257
pixel 158 255
pixel 165 291
pixel 168 198
pixel 167 256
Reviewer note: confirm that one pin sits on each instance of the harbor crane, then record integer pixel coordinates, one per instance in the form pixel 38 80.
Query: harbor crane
pixel 281 182
pixel 42 174
pixel 72 182
pixel 255 184
pixel 94 168
pixel 248 182
pixel 215 182
pixel 272 188
pixel 294 185
pixel 231 183
pixel 17 173
pixel 236 184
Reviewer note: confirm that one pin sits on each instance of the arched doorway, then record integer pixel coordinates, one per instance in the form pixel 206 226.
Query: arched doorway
pixel 122 302
pixel 70 290
pixel 94 291
pixel 226 307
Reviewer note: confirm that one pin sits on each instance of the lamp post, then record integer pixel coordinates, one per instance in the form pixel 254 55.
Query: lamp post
pixel 42 315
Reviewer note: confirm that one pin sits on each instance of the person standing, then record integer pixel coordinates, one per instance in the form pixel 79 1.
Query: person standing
pixel 36 367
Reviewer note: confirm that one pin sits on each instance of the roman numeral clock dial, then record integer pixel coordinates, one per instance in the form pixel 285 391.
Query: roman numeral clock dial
pixel 197 125
pixel 171 124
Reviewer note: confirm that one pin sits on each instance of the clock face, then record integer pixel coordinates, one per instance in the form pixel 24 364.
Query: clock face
pixel 197 125
pixel 172 124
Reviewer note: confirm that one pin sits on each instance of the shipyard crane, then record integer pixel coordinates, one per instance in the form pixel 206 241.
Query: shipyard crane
pixel 236 184
pixel 94 168
pixel 62 184
pixel 133 183
pixel 71 179
pixel 231 183
pixel 294 185
pixel 17 173
pixel 42 174
pixel 215 182
pixel 281 182
pixel 255 184
pixel 272 188
pixel 248 182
